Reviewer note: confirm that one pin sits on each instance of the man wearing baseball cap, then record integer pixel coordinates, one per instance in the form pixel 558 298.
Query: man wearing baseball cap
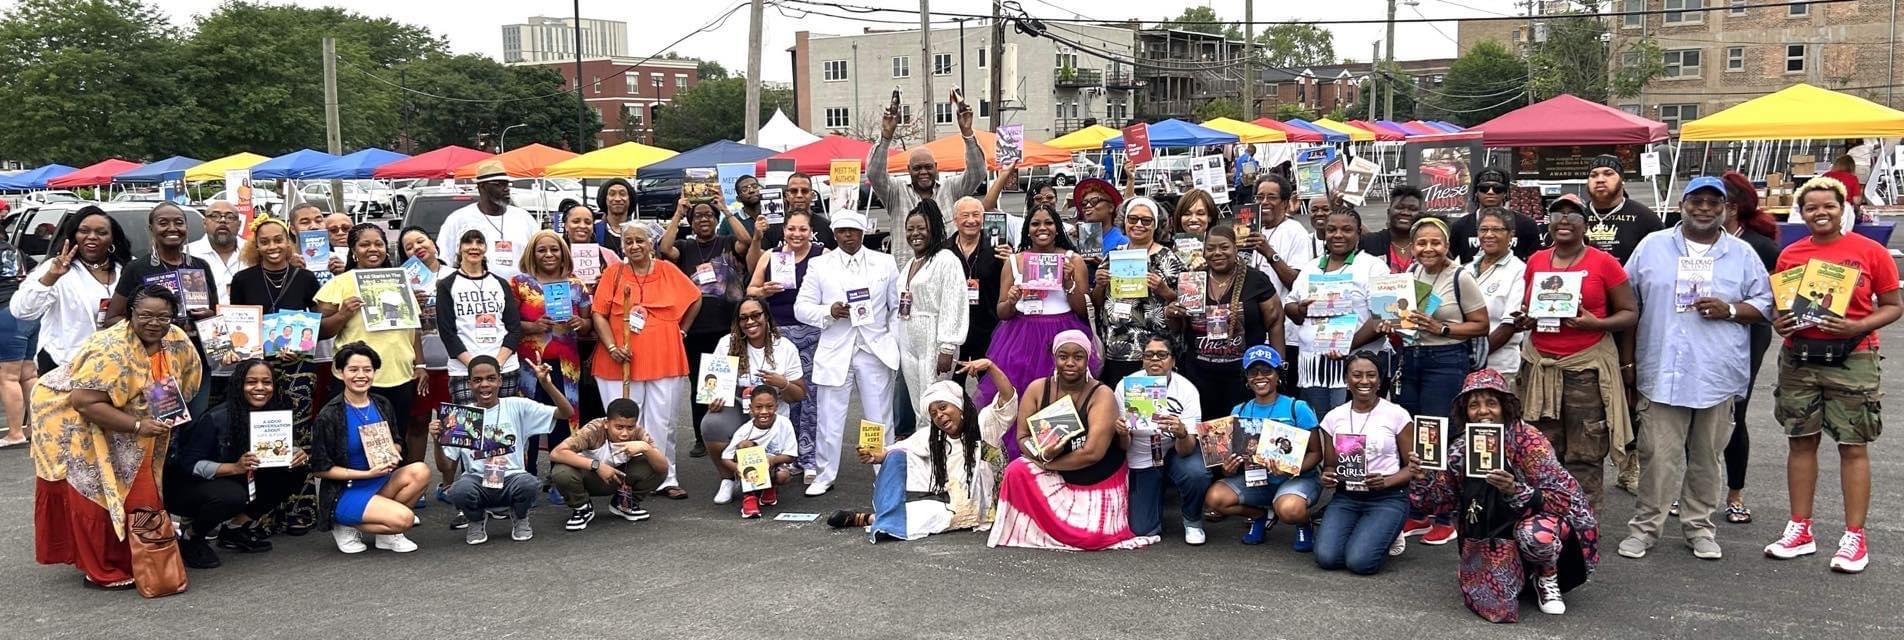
pixel 851 295
pixel 505 228
pixel 1491 186
pixel 1700 290
pixel 1251 490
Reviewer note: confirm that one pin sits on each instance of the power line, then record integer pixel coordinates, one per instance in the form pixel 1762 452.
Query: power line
pixel 1176 23
pixel 1510 100
pixel 1417 9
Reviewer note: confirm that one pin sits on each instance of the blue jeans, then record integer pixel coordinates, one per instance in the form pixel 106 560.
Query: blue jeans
pixel 1431 376
pixel 1323 399
pixel 1190 477
pixel 1357 529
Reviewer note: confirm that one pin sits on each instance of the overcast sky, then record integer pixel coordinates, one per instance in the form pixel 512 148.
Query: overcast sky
pixel 475 26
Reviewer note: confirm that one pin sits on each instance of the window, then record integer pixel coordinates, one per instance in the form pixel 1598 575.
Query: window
pixel 1682 63
pixel 836 118
pixel 1630 108
pixel 941 113
pixel 984 108
pixel 657 80
pixel 1735 58
pixel 1691 15
pixel 631 117
pixel 1794 58
pixel 905 114
pixel 942 64
pixel 680 81
pixel 982 52
pixel 833 70
pixel 1737 7
pixel 599 116
pixel 634 82
pixel 1067 61
pixel 596 83
pixel 1674 114
pixel 1633 19
pixel 902 66
pixel 1797 10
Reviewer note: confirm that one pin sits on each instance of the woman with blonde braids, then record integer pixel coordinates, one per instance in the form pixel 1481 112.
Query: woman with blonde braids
pixel 765 358
pixel 546 266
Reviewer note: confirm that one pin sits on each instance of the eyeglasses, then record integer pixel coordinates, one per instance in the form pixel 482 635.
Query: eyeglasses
pixel 344 227
pixel 1491 187
pixel 1491 230
pixel 1141 220
pixel 1259 372
pixel 147 318
pixel 1155 356
pixel 1704 202
pixel 752 316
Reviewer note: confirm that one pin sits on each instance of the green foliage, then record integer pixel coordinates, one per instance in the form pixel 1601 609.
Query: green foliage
pixel 1218 108
pixel 1288 110
pixel 710 70
pixel 1374 107
pixel 1194 14
pixel 1641 61
pixel 1482 84
pixel 72 93
pixel 1296 45
pixel 713 110
pixel 533 96
pixel 1340 114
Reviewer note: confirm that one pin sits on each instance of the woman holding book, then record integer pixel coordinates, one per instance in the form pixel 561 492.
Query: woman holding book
pixel 421 246
pixel 1028 320
pixel 1746 220
pixel 1324 338
pixel 1162 409
pixel 276 285
pixel 1236 308
pixel 366 485
pixel 1074 494
pixel 341 303
pixel 780 287
pixel 715 263
pixel 1249 487
pixel 66 301
pixel 1573 380
pixel 944 478
pixel 578 225
pixel 1363 442
pixel 485 319
pixel 95 416
pixel 1127 322
pixel 640 309
pixel 554 315
pixel 219 477
pixel 765 358
pixel 932 310
pixel 1530 502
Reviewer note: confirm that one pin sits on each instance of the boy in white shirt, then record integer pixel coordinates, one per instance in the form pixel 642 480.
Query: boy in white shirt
pixel 771 431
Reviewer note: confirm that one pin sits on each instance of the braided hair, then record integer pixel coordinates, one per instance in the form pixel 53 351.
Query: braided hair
pixel 350 245
pixel 737 337
pixel 968 437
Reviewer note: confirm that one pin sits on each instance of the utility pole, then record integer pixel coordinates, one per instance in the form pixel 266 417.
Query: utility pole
pixel 1375 76
pixel 1529 50
pixel 581 103
pixel 925 68
pixel 753 71
pixel 333 129
pixel 962 82
pixel 1388 106
pixel 1249 60
pixel 997 65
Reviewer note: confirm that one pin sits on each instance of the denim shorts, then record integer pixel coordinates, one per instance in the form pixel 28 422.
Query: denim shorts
pixel 1264 497
pixel 19 339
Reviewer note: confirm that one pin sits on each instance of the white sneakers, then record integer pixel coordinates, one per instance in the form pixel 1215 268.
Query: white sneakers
pixel 1193 536
pixel 1547 591
pixel 726 492
pixel 1400 545
pixel 397 543
pixel 348 541
pixel 818 489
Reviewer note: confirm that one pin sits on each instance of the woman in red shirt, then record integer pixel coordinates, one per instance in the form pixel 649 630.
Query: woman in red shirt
pixel 640 307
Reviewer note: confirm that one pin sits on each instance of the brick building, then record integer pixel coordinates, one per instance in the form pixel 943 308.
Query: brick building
pixel 625 95
pixel 1324 88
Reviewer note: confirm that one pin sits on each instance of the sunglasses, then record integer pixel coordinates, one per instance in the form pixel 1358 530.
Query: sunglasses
pixel 1492 187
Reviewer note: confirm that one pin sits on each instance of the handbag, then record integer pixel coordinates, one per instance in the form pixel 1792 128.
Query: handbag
pixel 1828 352
pixel 157 569
pixel 1490 573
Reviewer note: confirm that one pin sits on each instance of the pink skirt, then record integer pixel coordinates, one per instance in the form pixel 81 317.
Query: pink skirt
pixel 1037 509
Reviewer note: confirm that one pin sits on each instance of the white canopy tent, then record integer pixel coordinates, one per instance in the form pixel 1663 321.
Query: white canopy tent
pixel 781 134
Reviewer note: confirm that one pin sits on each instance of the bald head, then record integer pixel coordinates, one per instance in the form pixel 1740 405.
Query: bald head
pixel 923 169
pixel 338 224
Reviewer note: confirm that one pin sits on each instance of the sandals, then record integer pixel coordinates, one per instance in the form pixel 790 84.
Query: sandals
pixel 672 493
pixel 6 443
pixel 1736 513
pixel 120 585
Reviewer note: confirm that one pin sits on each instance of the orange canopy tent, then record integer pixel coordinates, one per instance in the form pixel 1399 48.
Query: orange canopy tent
pixel 525 162
pixel 949 151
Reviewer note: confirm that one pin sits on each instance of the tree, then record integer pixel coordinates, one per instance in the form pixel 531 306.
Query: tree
pixel 1573 59
pixel 710 70
pixel 492 97
pixel 1191 16
pixel 75 95
pixel 1295 45
pixel 713 110
pixel 1484 83
pixel 1218 108
pixel 1288 110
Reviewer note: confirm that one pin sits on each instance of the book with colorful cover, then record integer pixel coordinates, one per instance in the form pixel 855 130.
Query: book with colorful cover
pixel 860 306
pixel 271 439
pixel 773 206
pixel 1213 439
pixel 1055 427
pixel 419 275
pixel 1351 466
pixel 587 258
pixel 389 303
pixel 1431 437
pixel 701 184
pixel 1337 333
pixel 1485 454
pixel 558 301
pixel 1090 238
pixel 1391 295
pixel 315 246
pixel 169 280
pixel 293 330
pixel 461 427
pixel 755 474
pixel 380 449
pixel 166 402
pixel 1785 287
pixel 719 374
pixel 1144 397
pixel 1011 144
pixel 1331 294
pixel 243 327
pixel 784 269
pixel 1280 448
pixel 215 338
pixel 195 289
pixel 1824 292
pixel 1041 271
pixel 1692 281
pixel 1190 250
pixel 1130 270
pixel 1556 294
pixel 1192 287
pixel 996 230
pixel 872 438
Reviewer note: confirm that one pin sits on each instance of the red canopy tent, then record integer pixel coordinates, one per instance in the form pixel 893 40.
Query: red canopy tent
pixel 1381 133
pixel 1296 134
pixel 436 164
pixel 1565 120
pixel 96 174
pixel 817 158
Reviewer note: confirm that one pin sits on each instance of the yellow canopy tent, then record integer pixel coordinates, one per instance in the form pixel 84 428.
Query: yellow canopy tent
pixel 619 161
pixel 1798 112
pixel 1086 139
pixel 215 170
pixel 1249 133
pixel 1355 134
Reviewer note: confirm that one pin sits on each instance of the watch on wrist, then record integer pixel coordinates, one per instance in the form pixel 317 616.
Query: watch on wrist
pixel 594 465
pixel 1446 331
pixel 1732 311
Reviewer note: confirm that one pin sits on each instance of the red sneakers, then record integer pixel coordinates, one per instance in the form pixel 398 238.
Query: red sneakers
pixel 1415 527
pixel 1797 541
pixel 1438 534
pixel 1851 556
pixel 750 506
pixel 769 496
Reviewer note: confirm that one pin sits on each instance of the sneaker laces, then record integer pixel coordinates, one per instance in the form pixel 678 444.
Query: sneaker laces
pixel 1549 587
pixel 1793 531
pixel 1849 545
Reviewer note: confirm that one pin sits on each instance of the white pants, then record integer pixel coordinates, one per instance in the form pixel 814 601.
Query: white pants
pixel 660 400
pixel 874 381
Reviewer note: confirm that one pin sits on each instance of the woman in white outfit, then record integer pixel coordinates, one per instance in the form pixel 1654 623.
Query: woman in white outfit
pixel 932 309
pixel 67 300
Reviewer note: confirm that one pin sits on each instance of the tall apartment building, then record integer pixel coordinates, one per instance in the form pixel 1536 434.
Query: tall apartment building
pixel 842 83
pixel 627 95
pixel 543 39
pixel 1181 70
pixel 1325 88
pixel 1716 59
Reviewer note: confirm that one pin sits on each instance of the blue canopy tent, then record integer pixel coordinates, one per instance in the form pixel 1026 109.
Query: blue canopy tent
pixel 1177 133
pixel 1446 126
pixel 355 166
pixel 290 165
pixel 35 179
pixel 704 157
pixel 172 168
pixel 1328 135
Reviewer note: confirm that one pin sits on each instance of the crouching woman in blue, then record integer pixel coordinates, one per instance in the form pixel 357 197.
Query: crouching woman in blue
pixel 356 495
pixel 944 478
pixel 1363 463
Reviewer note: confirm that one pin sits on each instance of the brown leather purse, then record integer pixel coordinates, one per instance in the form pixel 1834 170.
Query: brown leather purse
pixel 157 570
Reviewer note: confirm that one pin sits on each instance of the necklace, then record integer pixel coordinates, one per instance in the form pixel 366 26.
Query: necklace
pixel 1601 232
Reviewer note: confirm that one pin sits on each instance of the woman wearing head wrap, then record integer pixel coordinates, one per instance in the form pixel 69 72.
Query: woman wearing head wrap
pixel 1068 494
pixel 1527 518
pixel 1127 322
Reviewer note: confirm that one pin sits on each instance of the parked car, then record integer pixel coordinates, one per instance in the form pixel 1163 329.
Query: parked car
pixel 404 191
pixel 32 229
pixel 1063 174
pixel 429 209
pixel 148 197
pixel 545 195
pixel 362 198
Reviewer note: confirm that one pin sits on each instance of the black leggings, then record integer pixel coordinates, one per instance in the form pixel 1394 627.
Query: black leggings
pixel 1739 450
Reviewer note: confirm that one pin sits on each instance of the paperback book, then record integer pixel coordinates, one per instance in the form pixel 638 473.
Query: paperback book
pixel 242 326
pixel 1351 455
pixel 1090 238
pixel 1484 449
pixel 754 472
pixel 293 330
pixel 1144 397
pixel 1337 333
pixel 1041 271
pixel 389 304
pixel 784 269
pixel 1785 287
pixel 1692 282
pixel 271 439
pixel 1055 427
pixel 1281 447
pixel 1331 294
pixel 169 280
pixel 719 374
pixel 588 262
pixel 1431 437
pixel 872 438
pixel 461 427
pixel 1192 287
pixel 1213 439
pixel 195 289
pixel 315 246
pixel 700 185
pixel 996 229
pixel 1190 251
pixel 1391 296
pixel 1129 271
pixel 558 301
pixel 1556 297
pixel 1824 292
pixel 166 402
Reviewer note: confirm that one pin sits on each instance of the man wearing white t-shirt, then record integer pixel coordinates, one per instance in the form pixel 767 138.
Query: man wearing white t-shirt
pixel 506 228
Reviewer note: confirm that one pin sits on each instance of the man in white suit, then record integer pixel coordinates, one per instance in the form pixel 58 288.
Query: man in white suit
pixel 852 296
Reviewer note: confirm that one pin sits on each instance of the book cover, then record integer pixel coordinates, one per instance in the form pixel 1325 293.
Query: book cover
pixel 1357 180
pixel 872 438
pixel 783 269
pixel 243 327
pixel 1556 294
pixel 1485 449
pixel 1337 334
pixel 195 289
pixel 843 180
pixel 1129 271
pixel 860 304
pixel 754 472
pixel 1213 439
pixel 215 338
pixel 1190 250
pixel 1391 295
pixel 462 427
pixel 1246 442
pixel 773 207
pixel 1431 437
pixel 719 374
pixel 1825 291
pixel 169 280
pixel 1331 294
pixel 389 303
pixel 1216 321
pixel 380 450
pixel 1351 456
pixel 419 275
pixel 1309 165
pixel 558 301
pixel 1192 287
pixel 1090 238
pixel 315 246
pixel 701 185
pixel 294 330
pixel 997 229
pixel 1144 397
pixel 1785 287
pixel 729 175
pixel 1280 448
pixel 1137 143
pixel 1692 282
pixel 1011 144
pixel 1041 271
pixel 166 402
pixel 1054 427
pixel 271 438
pixel 588 262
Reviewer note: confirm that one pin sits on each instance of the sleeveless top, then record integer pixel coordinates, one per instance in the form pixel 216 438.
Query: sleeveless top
pixel 781 304
pixel 1113 460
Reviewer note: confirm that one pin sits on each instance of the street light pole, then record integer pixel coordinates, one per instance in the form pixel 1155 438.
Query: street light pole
pixel 581 103
pixel 502 141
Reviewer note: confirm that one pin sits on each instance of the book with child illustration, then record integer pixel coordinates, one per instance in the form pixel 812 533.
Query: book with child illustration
pixel 291 330
pixel 271 438
pixel 462 426
pixel 719 375
pixel 1331 294
pixel 1280 448
pixel 1785 287
pixel 1824 292
pixel 389 303
pixel 1213 439
pixel 754 472
pixel 1055 427
pixel 1041 271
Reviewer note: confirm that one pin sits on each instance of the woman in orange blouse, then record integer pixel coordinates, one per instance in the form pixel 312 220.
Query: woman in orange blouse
pixel 640 308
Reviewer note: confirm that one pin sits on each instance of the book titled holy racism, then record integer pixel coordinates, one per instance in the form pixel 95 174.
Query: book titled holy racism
pixel 1055 427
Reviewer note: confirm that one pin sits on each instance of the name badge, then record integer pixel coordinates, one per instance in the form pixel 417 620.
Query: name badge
pixel 637 320
pixel 704 274
pixel 971 291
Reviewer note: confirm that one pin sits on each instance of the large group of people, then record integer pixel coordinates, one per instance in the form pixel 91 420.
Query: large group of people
pixel 960 356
